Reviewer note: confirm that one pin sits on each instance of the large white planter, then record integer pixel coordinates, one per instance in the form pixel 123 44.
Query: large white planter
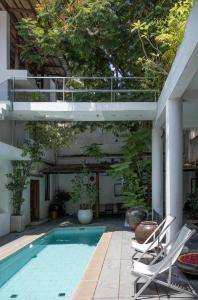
pixel 17 223
pixel 85 216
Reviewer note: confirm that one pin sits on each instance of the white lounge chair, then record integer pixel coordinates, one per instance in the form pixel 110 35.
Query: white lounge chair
pixel 153 271
pixel 153 241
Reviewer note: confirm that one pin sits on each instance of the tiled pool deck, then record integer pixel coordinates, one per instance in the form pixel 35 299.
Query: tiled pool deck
pixel 108 275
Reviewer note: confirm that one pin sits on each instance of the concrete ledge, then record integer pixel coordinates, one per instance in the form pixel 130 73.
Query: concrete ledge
pixel 88 283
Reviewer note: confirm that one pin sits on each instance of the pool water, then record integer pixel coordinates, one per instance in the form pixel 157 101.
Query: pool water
pixel 51 267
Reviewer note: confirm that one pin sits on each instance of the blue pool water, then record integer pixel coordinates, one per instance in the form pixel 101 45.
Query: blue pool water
pixel 49 268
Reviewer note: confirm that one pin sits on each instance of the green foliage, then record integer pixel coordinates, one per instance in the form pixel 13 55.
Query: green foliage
pixel 160 39
pixel 17 183
pixel 93 37
pixel 51 135
pixel 135 167
pixel 93 150
pixel 83 190
pixel 191 204
pixel 61 197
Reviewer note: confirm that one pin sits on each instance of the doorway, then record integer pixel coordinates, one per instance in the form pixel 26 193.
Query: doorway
pixel 34 200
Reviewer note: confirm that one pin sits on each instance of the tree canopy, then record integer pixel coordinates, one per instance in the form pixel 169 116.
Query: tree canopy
pixel 100 37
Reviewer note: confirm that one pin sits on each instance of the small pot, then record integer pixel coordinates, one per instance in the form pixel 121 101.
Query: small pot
pixel 54 214
pixel 144 230
pixel 85 216
pixel 134 216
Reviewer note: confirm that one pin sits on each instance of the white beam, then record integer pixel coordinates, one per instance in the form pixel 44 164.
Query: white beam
pixel 83 111
pixel 174 164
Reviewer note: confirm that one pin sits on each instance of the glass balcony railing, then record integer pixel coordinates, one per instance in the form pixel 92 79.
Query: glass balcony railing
pixel 79 89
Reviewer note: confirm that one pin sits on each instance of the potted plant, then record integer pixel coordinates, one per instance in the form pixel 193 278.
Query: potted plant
pixel 17 184
pixel 84 193
pixel 57 208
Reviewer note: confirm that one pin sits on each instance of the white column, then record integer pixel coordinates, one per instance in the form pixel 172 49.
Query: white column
pixel 174 164
pixel 4 40
pixel 157 171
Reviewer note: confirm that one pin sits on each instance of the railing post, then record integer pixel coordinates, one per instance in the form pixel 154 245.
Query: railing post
pixel 64 89
pixel 13 93
pixel 111 89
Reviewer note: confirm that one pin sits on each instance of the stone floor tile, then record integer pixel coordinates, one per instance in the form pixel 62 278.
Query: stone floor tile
pixel 126 279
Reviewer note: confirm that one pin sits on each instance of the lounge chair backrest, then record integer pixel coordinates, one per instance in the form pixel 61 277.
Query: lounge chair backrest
pixel 164 227
pixel 175 250
pixel 168 221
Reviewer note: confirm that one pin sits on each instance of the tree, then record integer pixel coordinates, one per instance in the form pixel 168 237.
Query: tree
pixel 135 167
pixel 93 37
pixel 160 39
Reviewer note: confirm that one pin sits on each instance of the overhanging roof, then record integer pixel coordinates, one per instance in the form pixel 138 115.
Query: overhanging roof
pixel 22 9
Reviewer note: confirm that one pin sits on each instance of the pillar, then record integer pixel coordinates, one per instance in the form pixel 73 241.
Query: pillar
pixel 4 40
pixel 157 172
pixel 174 164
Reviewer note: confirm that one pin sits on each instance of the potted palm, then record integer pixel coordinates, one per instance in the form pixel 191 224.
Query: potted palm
pixel 84 193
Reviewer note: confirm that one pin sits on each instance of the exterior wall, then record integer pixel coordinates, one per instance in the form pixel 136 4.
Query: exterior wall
pixel 106 189
pixel 43 209
pixel 5 208
pixel 6 132
pixel 109 143
pixel 107 194
pixel 193 146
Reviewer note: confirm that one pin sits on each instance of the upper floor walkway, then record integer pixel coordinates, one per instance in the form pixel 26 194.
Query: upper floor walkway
pixel 78 98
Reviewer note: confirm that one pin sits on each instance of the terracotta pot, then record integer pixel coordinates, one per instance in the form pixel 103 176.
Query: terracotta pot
pixel 144 230
pixel 134 216
pixel 54 214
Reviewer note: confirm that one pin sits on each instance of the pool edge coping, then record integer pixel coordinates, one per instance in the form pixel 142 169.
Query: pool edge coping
pixel 89 280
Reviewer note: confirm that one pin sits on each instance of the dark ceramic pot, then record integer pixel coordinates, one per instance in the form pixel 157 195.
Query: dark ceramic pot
pixel 134 216
pixel 144 230
pixel 188 263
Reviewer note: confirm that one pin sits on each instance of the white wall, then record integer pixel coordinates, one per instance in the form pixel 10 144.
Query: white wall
pixel 5 207
pixel 44 205
pixel 6 132
pixel 106 188
pixel 110 143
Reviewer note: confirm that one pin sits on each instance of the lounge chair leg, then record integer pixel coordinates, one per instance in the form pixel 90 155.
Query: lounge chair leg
pixel 142 288
pixel 135 285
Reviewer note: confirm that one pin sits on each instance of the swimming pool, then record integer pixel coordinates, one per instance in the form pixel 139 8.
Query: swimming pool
pixel 51 267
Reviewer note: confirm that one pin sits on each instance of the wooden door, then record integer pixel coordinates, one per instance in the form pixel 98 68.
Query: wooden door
pixel 34 200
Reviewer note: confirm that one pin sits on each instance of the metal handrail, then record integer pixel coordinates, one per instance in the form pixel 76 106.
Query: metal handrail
pixel 112 85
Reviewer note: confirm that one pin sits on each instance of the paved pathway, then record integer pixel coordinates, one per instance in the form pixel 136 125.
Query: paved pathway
pixel 116 281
